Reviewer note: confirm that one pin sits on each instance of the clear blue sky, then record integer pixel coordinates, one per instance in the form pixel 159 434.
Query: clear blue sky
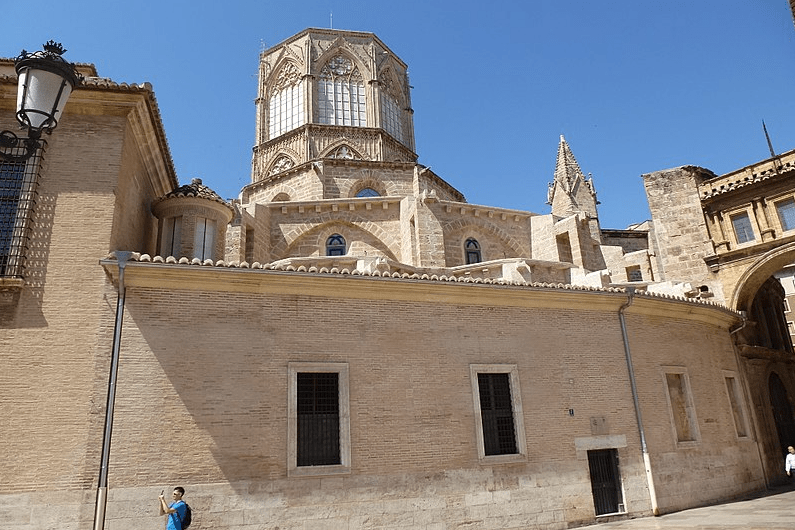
pixel 634 85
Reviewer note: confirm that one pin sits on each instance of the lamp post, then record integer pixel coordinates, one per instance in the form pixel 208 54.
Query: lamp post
pixel 45 81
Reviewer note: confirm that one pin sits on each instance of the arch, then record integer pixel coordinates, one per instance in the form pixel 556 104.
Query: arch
pixel 343 150
pixel 281 163
pixel 281 197
pixel 322 229
pixel 757 274
pixel 456 232
pixel 367 183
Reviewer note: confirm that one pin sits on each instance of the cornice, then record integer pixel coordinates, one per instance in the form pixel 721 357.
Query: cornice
pixel 194 275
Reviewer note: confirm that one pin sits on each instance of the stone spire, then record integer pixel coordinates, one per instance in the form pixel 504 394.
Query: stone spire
pixel 570 192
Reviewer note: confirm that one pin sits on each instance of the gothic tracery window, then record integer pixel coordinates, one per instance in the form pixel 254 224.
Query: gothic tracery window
pixel 286 104
pixel 340 93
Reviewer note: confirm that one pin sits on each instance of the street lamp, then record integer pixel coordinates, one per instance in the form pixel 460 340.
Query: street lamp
pixel 45 81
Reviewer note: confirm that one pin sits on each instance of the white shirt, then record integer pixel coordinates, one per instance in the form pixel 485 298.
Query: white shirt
pixel 789 463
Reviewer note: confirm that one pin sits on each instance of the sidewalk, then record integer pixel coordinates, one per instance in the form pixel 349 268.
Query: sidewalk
pixel 775 511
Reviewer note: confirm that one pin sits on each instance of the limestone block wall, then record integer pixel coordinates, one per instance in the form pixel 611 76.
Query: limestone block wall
pixel 367 225
pixel 501 233
pixel 680 238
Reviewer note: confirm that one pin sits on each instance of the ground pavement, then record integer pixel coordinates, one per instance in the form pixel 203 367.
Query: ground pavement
pixel 773 511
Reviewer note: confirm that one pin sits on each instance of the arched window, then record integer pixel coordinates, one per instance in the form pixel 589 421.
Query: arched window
pixel 367 192
pixel 472 249
pixel 286 104
pixel 340 94
pixel 391 116
pixel 335 245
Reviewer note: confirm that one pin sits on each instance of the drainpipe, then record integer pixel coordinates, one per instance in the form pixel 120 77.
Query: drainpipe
pixel 102 485
pixel 646 460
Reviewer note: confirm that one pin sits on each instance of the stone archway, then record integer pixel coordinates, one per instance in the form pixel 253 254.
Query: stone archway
pixel 752 279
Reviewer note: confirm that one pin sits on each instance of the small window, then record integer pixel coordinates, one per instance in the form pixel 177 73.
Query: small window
pixel 634 274
pixel 318 419
pixel 742 228
pixel 18 181
pixel 736 404
pixel 367 192
pixel 472 249
pixel 335 245
pixel 498 411
pixel 170 237
pixel 786 214
pixel 680 401
pixel 249 251
pixel 204 239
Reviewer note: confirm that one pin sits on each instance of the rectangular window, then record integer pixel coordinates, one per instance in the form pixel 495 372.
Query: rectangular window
pixel 498 411
pixel 736 404
pixel 205 239
pixel 680 401
pixel 170 238
pixel 318 419
pixel 742 228
pixel 786 214
pixel 17 199
pixel 634 274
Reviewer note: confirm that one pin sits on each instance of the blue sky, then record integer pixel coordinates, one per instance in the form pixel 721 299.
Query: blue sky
pixel 634 85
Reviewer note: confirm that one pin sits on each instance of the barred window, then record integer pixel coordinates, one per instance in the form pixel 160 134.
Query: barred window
pixel 17 199
pixel 498 411
pixel 499 436
pixel 318 435
pixel 340 93
pixel 318 419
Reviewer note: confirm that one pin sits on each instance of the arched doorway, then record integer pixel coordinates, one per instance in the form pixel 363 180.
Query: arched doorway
pixel 782 412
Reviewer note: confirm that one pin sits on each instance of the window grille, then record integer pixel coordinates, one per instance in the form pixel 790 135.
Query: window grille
pixel 335 245
pixel 18 181
pixel 496 409
pixel 318 426
pixel 472 248
pixel 605 481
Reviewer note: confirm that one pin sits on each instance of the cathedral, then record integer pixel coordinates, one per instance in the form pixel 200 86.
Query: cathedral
pixel 351 344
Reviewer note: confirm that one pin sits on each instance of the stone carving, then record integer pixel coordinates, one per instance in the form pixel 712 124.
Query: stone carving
pixel 288 76
pixel 340 67
pixel 283 163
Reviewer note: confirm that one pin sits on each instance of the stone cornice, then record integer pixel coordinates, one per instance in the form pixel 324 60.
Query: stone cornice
pixel 145 272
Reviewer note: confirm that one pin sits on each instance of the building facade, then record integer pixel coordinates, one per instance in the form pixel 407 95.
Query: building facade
pixel 351 344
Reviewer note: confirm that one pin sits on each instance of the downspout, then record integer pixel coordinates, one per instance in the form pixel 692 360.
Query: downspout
pixel 747 394
pixel 644 448
pixel 102 485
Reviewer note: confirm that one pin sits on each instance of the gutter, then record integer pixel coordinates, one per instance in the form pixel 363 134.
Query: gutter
pixel 644 448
